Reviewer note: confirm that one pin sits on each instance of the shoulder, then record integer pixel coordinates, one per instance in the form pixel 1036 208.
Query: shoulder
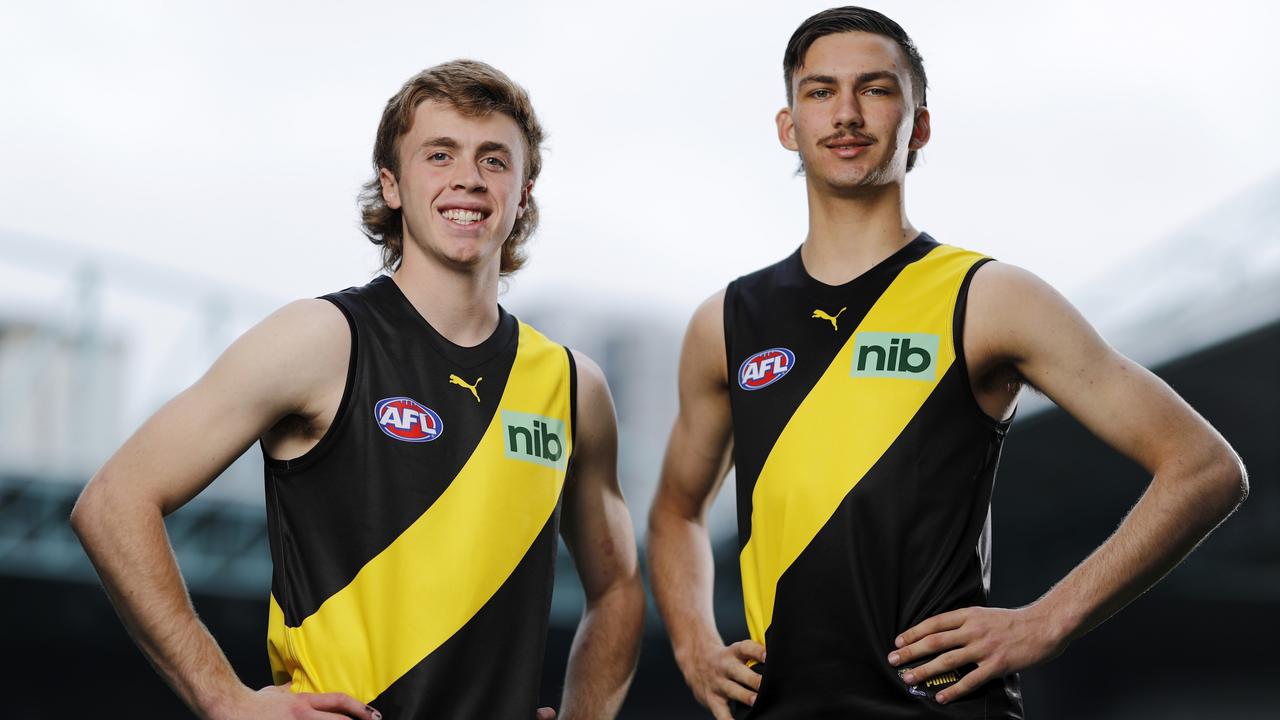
pixel 303 331
pixel 708 317
pixel 1010 309
pixel 596 425
pixel 1010 291
pixel 593 386
pixel 292 351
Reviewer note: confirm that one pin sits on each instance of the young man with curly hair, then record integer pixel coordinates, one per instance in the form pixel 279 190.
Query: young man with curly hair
pixel 423 449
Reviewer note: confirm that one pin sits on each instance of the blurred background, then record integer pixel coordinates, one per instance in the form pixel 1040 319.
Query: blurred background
pixel 170 174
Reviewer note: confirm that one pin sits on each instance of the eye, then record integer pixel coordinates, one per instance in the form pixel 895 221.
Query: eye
pixel 496 163
pixel 878 91
pixel 821 94
pixel 438 157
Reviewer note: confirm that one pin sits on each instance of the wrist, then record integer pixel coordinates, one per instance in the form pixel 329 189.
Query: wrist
pixel 222 703
pixel 689 649
pixel 1058 620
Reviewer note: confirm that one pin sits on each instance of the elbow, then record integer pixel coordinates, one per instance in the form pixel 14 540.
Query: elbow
pixel 1230 480
pixel 90 509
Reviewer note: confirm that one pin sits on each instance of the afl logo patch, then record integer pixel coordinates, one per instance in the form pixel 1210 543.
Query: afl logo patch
pixel 765 368
pixel 407 419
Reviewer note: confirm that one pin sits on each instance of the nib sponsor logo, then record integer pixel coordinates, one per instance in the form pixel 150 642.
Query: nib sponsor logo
pixel 534 438
pixel 912 356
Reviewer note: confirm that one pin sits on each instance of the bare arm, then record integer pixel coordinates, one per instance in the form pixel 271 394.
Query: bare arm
pixel 276 369
pixel 598 532
pixel 1197 480
pixel 682 573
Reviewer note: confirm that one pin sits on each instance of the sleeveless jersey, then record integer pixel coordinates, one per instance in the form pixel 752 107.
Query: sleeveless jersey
pixel 414 546
pixel 864 477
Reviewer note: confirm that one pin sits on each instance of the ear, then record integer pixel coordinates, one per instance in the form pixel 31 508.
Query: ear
pixel 787 129
pixel 525 194
pixel 390 188
pixel 920 129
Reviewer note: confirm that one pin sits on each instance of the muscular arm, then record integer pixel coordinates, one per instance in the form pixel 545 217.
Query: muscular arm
pixel 1197 480
pixel 275 370
pixel 680 562
pixel 598 533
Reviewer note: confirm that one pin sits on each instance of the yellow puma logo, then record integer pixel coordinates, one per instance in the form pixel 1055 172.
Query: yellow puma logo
pixel 825 316
pixel 455 380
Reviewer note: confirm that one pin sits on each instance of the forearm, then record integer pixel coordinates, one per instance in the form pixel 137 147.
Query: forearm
pixel 683 575
pixel 1178 510
pixel 603 658
pixel 127 544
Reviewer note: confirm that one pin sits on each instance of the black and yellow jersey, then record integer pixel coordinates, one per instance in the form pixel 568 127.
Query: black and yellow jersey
pixel 414 545
pixel 864 477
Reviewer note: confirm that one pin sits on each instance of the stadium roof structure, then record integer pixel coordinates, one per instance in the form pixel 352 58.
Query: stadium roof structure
pixel 1213 280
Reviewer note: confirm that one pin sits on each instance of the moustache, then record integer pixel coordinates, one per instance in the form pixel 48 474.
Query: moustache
pixel 843 134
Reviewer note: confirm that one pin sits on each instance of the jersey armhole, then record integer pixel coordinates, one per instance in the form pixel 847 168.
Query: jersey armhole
pixel 573 406
pixel 728 325
pixel 957 340
pixel 281 467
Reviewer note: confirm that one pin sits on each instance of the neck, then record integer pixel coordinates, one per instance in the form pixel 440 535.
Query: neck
pixel 850 232
pixel 460 303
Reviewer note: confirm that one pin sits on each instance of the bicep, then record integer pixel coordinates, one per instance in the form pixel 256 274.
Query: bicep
pixel 266 374
pixel 596 525
pixel 700 447
pixel 1054 349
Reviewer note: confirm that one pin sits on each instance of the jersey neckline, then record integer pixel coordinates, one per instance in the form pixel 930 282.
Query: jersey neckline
pixel 460 355
pixel 918 247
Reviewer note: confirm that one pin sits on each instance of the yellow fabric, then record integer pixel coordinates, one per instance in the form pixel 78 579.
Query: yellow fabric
pixel 422 588
pixel 843 426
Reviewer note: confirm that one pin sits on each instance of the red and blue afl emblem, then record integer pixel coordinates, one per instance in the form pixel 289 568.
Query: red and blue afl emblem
pixel 765 368
pixel 407 419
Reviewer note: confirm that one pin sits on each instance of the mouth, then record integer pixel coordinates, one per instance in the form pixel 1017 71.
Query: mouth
pixel 847 147
pixel 464 217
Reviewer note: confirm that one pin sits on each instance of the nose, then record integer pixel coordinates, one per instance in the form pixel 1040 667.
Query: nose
pixel 847 112
pixel 466 177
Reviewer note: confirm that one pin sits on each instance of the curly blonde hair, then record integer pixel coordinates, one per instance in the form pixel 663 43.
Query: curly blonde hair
pixel 474 89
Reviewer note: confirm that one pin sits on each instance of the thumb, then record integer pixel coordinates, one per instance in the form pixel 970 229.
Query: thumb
pixel 546 713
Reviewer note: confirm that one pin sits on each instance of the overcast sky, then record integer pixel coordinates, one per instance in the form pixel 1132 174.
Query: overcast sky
pixel 230 139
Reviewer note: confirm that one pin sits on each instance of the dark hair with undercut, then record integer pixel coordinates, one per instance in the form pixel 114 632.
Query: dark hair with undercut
pixel 854 19
pixel 474 89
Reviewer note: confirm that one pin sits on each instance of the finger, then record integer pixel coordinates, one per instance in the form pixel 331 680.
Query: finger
pixel 943 663
pixel 719 709
pixel 926 646
pixel 342 703
pixel 743 675
pixel 546 713
pixel 314 714
pixel 748 650
pixel 734 691
pixel 967 684
pixel 937 623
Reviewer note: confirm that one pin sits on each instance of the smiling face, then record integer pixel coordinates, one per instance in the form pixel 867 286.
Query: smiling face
pixel 853 118
pixel 461 185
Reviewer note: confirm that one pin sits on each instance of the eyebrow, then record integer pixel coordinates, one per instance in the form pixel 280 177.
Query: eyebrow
pixel 489 146
pixel 444 142
pixel 449 143
pixel 860 79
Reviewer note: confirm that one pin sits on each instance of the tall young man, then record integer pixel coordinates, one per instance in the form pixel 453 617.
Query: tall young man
pixel 418 442
pixel 863 386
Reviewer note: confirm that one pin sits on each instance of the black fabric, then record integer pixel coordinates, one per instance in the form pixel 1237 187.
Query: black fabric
pixel 908 542
pixel 336 507
pixel 472 675
pixel 771 308
pixel 339 505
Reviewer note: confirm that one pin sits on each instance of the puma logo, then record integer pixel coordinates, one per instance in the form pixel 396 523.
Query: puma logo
pixel 822 314
pixel 455 380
